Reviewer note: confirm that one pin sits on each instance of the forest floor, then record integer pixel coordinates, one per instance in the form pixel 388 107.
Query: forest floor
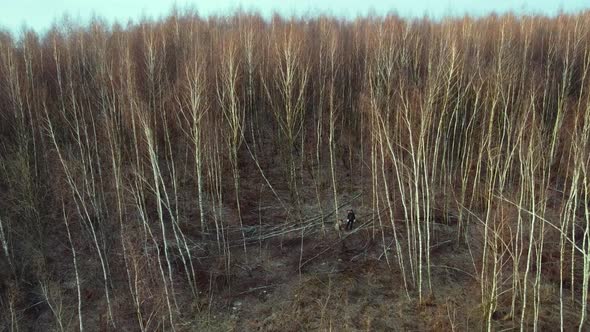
pixel 347 283
pixel 313 279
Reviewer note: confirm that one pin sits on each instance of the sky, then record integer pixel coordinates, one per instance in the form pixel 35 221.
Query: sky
pixel 41 14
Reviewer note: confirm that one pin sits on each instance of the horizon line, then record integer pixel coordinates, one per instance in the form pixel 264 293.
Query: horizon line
pixel 78 21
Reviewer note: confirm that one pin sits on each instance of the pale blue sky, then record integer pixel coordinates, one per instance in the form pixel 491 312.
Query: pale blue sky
pixel 40 14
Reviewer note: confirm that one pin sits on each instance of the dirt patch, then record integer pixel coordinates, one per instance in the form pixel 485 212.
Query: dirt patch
pixel 343 284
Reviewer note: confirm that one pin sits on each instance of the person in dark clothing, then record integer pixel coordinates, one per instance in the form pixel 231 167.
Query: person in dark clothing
pixel 350 218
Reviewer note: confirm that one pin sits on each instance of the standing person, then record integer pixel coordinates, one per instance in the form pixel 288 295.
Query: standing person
pixel 350 218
